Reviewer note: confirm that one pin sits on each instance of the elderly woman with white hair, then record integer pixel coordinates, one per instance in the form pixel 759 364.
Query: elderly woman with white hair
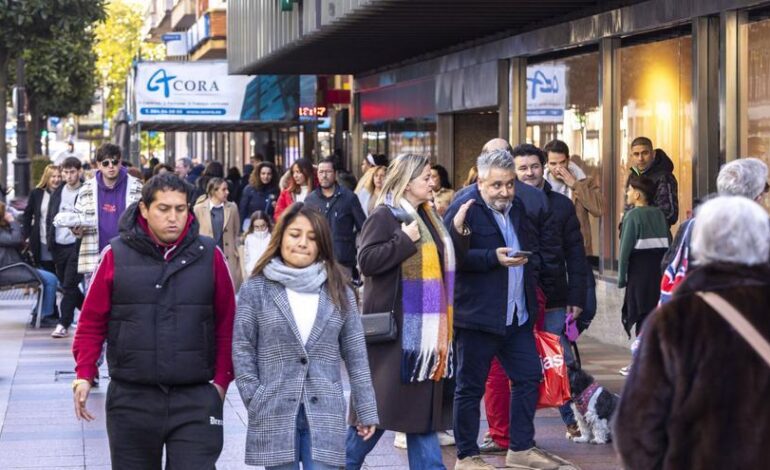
pixel 696 396
pixel 745 177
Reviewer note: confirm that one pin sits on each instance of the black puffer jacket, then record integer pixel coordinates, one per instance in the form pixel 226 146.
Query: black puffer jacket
pixel 666 187
pixel 564 271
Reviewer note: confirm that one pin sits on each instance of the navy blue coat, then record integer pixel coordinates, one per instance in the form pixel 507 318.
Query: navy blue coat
pixel 481 282
pixel 564 271
pixel 257 200
pixel 534 201
pixel 345 216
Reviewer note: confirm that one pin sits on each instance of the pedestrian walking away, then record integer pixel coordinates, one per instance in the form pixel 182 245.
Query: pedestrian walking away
pixel 163 298
pixel 691 398
pixel 297 321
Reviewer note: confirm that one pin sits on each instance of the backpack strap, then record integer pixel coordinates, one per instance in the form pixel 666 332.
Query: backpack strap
pixel 732 316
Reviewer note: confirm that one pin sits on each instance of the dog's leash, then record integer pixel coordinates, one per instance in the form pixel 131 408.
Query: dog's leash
pixel 576 354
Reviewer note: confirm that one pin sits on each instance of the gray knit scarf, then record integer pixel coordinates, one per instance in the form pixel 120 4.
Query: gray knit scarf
pixel 306 280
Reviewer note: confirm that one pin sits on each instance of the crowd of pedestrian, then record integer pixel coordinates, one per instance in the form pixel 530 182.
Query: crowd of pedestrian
pixel 431 296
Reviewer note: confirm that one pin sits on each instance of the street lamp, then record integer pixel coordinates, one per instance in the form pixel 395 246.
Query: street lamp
pixel 21 164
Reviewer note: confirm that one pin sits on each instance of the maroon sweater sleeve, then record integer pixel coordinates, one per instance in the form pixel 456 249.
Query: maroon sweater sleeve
pixel 92 324
pixel 224 315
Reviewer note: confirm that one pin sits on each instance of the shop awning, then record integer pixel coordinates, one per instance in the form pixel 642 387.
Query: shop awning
pixel 373 34
pixel 213 126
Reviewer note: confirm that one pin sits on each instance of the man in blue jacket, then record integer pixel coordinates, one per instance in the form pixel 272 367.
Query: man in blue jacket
pixel 563 275
pixel 502 258
pixel 342 210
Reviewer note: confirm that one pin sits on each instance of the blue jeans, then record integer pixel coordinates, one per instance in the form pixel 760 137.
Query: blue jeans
pixel 554 323
pixel 49 292
pixel 423 450
pixel 517 354
pixel 302 448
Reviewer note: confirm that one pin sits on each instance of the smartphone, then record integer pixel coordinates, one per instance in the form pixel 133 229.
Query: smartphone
pixel 518 254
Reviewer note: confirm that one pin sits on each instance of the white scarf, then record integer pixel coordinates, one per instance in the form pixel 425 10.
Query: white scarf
pixel 558 185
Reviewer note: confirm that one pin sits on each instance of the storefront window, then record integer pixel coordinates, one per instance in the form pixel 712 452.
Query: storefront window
pixel 398 137
pixel 656 102
pixel 756 135
pixel 563 103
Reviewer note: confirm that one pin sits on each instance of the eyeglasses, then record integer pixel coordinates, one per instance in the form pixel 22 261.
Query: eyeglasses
pixel 107 162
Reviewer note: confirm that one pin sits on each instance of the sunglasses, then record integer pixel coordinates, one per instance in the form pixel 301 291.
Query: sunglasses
pixel 107 162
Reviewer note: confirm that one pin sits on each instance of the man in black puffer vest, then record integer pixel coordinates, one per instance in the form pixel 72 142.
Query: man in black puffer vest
pixel 163 298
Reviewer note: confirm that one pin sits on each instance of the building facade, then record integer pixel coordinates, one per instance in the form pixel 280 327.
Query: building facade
pixel 442 79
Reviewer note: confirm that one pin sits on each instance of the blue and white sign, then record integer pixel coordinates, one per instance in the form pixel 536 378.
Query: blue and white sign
pixel 176 44
pixel 546 93
pixel 188 92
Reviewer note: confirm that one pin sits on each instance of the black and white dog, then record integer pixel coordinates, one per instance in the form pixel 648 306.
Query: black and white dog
pixel 593 406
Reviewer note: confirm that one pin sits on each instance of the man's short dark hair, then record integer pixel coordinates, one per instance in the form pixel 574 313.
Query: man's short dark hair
pixel 522 150
pixel 329 160
pixel 644 185
pixel 72 162
pixel 645 141
pixel 557 146
pixel 108 151
pixel 164 182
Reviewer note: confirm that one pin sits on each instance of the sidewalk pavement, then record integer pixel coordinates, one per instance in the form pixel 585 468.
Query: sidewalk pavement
pixel 38 428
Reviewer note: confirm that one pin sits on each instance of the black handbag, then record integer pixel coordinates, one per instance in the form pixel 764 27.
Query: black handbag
pixel 381 327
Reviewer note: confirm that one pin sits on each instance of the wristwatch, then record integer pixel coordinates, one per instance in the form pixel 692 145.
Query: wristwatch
pixel 77 382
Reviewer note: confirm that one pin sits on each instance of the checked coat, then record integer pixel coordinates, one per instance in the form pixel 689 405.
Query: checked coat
pixel 86 207
pixel 276 373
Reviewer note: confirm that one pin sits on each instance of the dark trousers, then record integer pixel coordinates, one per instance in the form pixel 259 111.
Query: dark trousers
pixel 142 419
pixel 66 259
pixel 517 354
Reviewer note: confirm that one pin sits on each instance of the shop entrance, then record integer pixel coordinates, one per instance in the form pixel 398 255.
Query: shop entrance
pixel 471 132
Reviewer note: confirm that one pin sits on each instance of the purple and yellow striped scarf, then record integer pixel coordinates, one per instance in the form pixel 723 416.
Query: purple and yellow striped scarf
pixel 427 301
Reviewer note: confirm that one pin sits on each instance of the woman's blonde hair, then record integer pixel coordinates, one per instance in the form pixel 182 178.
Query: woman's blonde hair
pixel 367 181
pixel 214 184
pixel 401 171
pixel 47 172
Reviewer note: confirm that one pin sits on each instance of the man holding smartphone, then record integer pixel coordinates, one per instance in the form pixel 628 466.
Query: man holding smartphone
pixel 489 325
pixel 564 273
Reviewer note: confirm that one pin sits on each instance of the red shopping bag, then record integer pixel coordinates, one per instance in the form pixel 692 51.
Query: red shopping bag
pixel 554 389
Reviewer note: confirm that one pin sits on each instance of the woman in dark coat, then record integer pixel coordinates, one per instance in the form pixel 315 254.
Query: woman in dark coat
pixel 696 396
pixel 261 193
pixel 402 242
pixel 10 242
pixel 35 214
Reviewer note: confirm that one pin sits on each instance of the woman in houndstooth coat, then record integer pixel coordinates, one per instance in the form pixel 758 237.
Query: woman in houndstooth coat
pixel 296 320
